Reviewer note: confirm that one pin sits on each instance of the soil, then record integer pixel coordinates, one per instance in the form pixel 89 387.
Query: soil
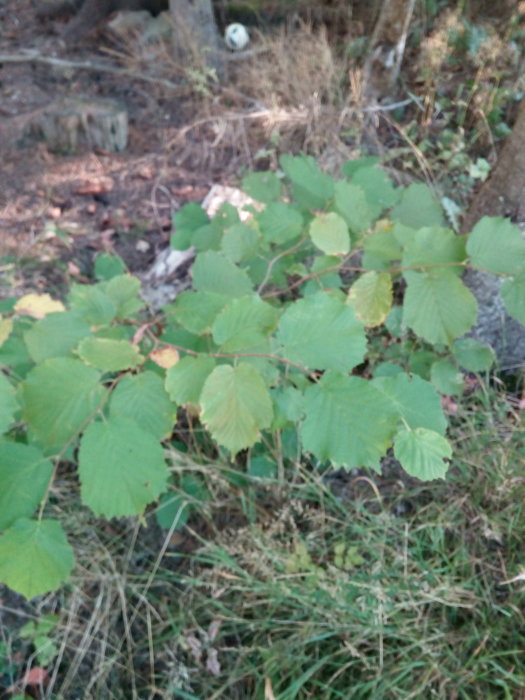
pixel 69 207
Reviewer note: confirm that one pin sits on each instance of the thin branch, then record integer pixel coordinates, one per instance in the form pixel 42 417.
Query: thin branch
pixel 31 56
pixel 274 260
pixel 36 57
pixel 266 355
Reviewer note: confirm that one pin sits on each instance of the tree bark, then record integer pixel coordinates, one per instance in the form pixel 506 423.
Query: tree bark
pixel 503 194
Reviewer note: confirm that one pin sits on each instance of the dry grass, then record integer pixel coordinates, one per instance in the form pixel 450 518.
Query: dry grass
pixel 291 91
pixel 422 603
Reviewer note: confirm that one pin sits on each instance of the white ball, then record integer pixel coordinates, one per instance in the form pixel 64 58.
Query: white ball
pixel 236 37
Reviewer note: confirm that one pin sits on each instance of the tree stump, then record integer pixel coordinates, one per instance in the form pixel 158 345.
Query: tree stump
pixel 76 123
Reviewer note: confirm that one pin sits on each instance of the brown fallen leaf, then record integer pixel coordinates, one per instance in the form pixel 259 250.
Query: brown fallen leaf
pixel 146 172
pixel 95 186
pixel 54 212
pixel 212 662
pixel 35 676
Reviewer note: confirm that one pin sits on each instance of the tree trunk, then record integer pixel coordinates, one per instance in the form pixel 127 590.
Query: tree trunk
pixel 502 195
pixel 504 192
pixel 195 32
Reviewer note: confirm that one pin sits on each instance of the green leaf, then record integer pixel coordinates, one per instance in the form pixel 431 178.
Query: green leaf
pixel 352 204
pixel 240 242
pixel 244 323
pixel 227 215
pixel 108 266
pixel 394 322
pixel 420 362
pixel 182 338
pixel 327 280
pixel 433 246
pixel 350 167
pixel 184 381
pixel 387 369
pixel 329 233
pixel 418 208
pixel 259 356
pixel 288 406
pixel 404 235
pixel 121 468
pixel 194 487
pixel 236 406
pixel 109 355
pixel 187 220
pixel 24 477
pixel 513 293
pixel 312 188
pixel 91 304
pixel 60 396
pixel 473 355
pixel 173 507
pixel 280 223
pixel 413 400
pixel 446 378
pixel 142 398
pixel 120 332
pixel 497 245
pixel 380 248
pixel 8 404
pixel 213 272
pixel 56 335
pixel 371 297
pixel 123 291
pixel 13 352
pixel 422 453
pixel 35 557
pixel 321 332
pixel 378 188
pixel 438 306
pixel 196 311
pixel 347 421
pixel 262 467
pixel 263 186
pixel 208 237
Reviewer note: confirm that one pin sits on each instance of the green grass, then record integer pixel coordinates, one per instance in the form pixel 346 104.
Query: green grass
pixel 301 591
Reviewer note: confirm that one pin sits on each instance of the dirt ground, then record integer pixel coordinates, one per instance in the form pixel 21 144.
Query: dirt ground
pixel 71 206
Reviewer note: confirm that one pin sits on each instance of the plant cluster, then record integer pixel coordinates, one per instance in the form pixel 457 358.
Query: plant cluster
pixel 276 343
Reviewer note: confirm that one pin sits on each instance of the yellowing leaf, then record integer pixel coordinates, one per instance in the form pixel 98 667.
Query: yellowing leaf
pixel 38 305
pixel 329 232
pixel 6 326
pixel 371 297
pixel 165 357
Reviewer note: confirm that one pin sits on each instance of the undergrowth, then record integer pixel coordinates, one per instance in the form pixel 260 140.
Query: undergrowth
pixel 325 587
pixel 322 584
